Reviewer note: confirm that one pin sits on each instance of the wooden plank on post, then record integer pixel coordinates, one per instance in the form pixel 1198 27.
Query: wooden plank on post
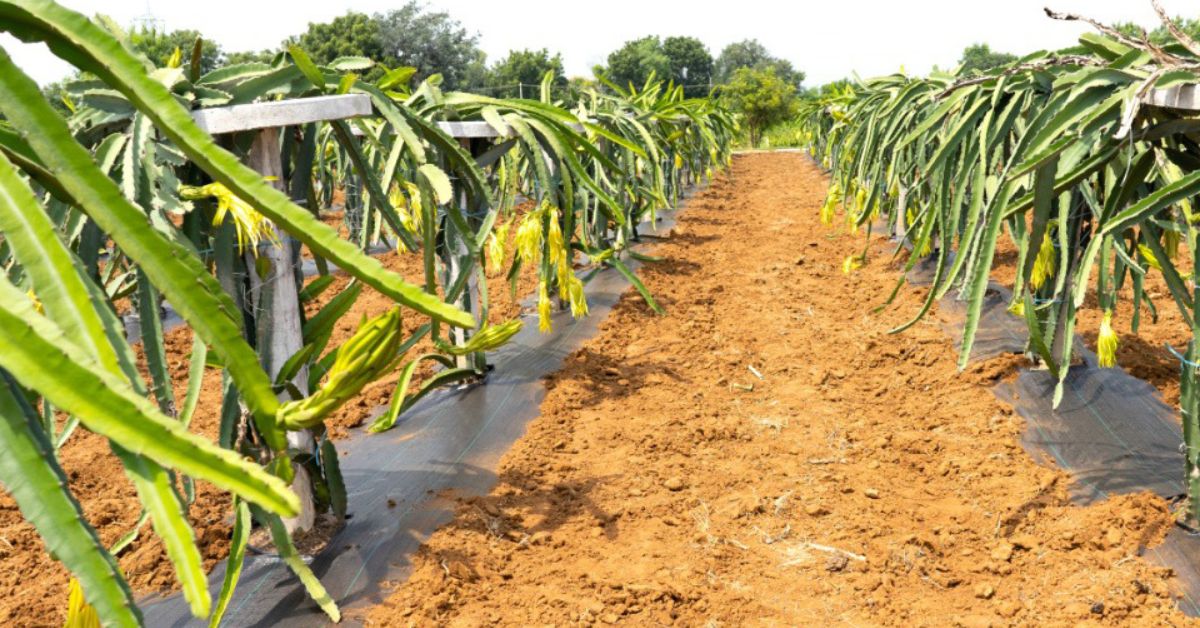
pixel 281 113
pixel 471 129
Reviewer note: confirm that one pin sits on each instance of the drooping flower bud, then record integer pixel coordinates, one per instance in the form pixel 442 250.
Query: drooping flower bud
pixel 1106 342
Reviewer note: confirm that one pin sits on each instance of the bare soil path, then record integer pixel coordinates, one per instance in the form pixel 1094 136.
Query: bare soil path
pixel 766 454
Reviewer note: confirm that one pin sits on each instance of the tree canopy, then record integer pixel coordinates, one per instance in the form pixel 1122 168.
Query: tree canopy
pixel 525 67
pixel 352 34
pixel 691 64
pixel 433 42
pixel 761 96
pixel 636 60
pixel 978 58
pixel 159 46
pixel 750 53
pixel 1160 36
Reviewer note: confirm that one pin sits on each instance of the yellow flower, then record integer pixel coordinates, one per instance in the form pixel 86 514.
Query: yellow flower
pixel 1017 308
pixel 529 238
pixel 831 202
pixel 852 263
pixel 1043 264
pixel 250 225
pixel 543 307
pixel 556 249
pixel 496 244
pixel 926 249
pixel 678 161
pixel 407 205
pixel 1106 342
pixel 578 299
pixel 80 614
pixel 1148 255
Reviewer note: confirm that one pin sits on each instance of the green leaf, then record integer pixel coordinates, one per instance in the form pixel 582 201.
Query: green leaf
pixel 42 359
pixel 310 69
pixel 233 564
pixel 30 473
pixel 290 557
pixel 178 274
pixel 439 182
pixel 75 38
pixel 637 283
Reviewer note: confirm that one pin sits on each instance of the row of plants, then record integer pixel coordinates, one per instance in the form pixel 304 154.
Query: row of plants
pixel 126 204
pixel 1058 152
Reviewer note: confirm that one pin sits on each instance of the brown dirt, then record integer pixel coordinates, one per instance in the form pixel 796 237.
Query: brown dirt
pixel 666 483
pixel 33 587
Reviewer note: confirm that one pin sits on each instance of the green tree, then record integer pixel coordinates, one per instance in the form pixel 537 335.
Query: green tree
pixel 762 98
pixel 691 64
pixel 249 56
pixel 158 46
pixel 525 67
pixel 1160 35
pixel 636 60
pixel 349 35
pixel 434 43
pixel 979 58
pixel 750 53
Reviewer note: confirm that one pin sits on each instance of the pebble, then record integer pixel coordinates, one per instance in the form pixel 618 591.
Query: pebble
pixel 674 483
pixel 985 591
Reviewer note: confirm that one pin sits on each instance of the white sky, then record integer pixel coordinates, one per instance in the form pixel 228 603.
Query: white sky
pixel 827 40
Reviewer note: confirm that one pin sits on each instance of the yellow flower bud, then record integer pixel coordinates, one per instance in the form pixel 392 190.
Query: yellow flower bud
pixel 1043 264
pixel 1106 342
pixel 543 307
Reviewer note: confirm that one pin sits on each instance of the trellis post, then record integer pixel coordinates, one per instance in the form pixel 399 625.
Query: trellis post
pixel 274 291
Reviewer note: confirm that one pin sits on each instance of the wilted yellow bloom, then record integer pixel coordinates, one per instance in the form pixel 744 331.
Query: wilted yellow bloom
pixel 831 202
pixel 577 298
pixel 1149 256
pixel 176 58
pixel 250 225
pixel 852 263
pixel 407 205
pixel 496 244
pixel 1043 264
pixel 556 248
pixel 678 161
pixel 1106 342
pixel 926 248
pixel 529 238
pixel 1017 308
pixel 543 308
pixel 80 614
